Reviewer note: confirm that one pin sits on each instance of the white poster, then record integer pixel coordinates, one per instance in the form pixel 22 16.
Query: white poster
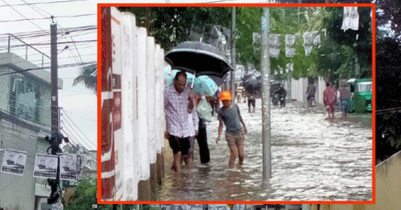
pixel 316 39
pixel 45 166
pixel 68 167
pixel 308 42
pixel 350 19
pixel 274 45
pixel 289 45
pixel 81 161
pixel 14 162
pixel 256 41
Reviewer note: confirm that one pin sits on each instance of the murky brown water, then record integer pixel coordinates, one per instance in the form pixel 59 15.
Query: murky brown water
pixel 312 159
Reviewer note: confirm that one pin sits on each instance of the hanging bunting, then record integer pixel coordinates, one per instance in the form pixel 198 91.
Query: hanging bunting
pixel 14 162
pixel 350 19
pixel 274 45
pixel 308 42
pixel 289 45
pixel 256 41
pixel 316 39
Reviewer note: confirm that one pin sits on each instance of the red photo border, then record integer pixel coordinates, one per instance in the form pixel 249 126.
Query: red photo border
pixel 99 125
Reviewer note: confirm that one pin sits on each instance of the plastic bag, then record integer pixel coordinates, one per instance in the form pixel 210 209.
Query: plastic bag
pixel 204 110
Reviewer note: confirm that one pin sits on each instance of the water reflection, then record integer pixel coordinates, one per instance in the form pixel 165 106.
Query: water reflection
pixel 312 159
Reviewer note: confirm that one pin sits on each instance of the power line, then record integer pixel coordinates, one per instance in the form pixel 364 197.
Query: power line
pixel 69 42
pixel 79 115
pixel 34 34
pixel 47 67
pixel 48 2
pixel 82 67
pixel 78 128
pixel 21 14
pixel 77 94
pixel 28 19
pixel 70 134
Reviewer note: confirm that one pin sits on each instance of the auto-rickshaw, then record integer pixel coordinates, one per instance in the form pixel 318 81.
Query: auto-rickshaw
pixel 361 95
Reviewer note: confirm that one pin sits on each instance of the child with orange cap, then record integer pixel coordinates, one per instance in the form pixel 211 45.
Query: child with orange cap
pixel 230 115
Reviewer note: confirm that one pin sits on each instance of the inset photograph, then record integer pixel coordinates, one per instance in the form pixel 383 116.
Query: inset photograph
pixel 236 103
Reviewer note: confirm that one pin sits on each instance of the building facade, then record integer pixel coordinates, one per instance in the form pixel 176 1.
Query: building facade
pixel 25 110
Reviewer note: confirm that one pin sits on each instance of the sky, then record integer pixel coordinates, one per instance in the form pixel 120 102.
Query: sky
pixel 79 103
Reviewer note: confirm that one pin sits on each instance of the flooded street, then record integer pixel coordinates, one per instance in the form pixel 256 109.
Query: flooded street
pixel 313 159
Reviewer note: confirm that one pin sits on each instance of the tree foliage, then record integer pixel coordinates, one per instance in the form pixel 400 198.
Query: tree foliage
pixel 88 77
pixel 248 22
pixel 172 25
pixel 388 79
pixel 84 196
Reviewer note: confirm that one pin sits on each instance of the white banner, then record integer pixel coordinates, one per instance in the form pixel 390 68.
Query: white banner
pixel 45 166
pixel 81 161
pixel 350 19
pixel 290 45
pixel 274 45
pixel 14 162
pixel 308 42
pixel 68 167
pixel 256 41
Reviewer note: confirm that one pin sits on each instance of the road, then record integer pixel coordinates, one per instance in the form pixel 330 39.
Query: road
pixel 313 159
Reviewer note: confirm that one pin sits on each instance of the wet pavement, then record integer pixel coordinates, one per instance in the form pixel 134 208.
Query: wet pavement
pixel 313 159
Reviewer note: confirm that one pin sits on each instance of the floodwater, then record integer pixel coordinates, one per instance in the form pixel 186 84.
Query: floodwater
pixel 313 159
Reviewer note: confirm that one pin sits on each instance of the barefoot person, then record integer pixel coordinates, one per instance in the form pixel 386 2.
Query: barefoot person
pixel 329 99
pixel 230 115
pixel 178 103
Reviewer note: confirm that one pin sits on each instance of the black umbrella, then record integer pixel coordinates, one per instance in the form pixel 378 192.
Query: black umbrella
pixel 198 58
pixel 252 83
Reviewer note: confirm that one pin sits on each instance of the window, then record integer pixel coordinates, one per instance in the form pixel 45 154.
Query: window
pixel 29 99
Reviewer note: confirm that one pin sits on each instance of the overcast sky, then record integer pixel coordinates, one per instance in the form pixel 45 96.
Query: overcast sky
pixel 79 102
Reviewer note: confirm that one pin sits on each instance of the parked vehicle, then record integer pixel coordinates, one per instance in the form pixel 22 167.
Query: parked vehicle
pixel 361 95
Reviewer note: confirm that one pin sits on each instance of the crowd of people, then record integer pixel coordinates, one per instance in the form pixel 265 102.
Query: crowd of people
pixel 184 126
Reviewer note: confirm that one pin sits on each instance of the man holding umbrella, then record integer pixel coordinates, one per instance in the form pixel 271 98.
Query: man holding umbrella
pixel 178 103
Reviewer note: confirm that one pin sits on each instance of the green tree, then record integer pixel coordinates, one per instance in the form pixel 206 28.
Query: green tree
pixel 88 77
pixel 247 23
pixel 347 42
pixel 172 25
pixel 84 196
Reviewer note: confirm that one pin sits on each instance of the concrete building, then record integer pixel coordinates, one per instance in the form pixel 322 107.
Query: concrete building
pixel 24 122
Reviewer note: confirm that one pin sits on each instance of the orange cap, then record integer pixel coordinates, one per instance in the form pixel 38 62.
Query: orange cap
pixel 225 96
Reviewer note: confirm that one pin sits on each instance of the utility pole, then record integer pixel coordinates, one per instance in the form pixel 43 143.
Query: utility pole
pixel 54 76
pixel 233 53
pixel 266 126
pixel 56 137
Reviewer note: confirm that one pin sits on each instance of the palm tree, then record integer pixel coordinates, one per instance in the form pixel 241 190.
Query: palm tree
pixel 88 77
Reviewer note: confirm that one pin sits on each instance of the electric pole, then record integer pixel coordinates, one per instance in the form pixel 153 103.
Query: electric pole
pixel 54 76
pixel 266 126
pixel 56 137
pixel 233 53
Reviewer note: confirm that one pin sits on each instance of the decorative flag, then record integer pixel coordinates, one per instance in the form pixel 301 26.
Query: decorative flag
pixel 289 45
pixel 350 19
pixel 316 39
pixel 308 42
pixel 274 45
pixel 14 162
pixel 256 41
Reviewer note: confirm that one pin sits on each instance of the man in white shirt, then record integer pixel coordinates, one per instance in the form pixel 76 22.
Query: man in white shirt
pixel 178 103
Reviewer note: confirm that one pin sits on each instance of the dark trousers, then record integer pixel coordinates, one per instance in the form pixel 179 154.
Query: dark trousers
pixel 202 142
